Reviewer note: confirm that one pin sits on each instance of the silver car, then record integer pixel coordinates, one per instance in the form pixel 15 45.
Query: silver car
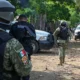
pixel 44 41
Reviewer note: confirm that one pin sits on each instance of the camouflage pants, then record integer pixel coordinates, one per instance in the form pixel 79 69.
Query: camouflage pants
pixel 61 51
pixel 62 48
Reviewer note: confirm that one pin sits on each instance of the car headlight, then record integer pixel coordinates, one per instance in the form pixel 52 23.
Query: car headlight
pixel 42 38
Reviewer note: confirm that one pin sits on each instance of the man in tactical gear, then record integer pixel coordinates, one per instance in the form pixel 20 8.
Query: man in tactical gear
pixel 10 68
pixel 24 32
pixel 61 36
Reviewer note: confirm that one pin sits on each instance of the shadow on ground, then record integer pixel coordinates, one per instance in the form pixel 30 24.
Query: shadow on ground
pixel 36 75
pixel 46 52
pixel 74 44
pixel 73 47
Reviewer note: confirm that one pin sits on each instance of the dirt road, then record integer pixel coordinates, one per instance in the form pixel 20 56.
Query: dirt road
pixel 45 64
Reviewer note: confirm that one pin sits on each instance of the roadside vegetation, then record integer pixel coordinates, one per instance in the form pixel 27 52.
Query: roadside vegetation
pixel 44 13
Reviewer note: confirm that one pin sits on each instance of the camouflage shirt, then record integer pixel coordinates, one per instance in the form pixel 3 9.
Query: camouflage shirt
pixel 10 59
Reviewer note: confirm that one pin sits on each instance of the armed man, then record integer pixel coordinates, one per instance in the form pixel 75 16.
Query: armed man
pixel 24 32
pixel 14 61
pixel 61 36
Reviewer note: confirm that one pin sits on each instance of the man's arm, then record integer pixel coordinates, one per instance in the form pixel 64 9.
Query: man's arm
pixel 55 35
pixel 70 34
pixel 16 57
pixel 12 47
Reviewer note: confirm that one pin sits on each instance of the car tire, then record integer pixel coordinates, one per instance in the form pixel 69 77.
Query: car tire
pixel 35 46
pixel 75 38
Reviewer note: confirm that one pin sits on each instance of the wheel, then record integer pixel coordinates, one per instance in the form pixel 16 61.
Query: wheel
pixel 35 46
pixel 75 38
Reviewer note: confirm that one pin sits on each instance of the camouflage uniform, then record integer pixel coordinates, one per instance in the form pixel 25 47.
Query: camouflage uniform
pixel 11 66
pixel 62 44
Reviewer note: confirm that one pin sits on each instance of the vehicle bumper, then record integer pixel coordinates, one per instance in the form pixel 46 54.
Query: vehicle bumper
pixel 77 36
pixel 46 45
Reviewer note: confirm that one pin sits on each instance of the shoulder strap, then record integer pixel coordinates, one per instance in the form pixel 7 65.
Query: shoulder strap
pixel 4 37
pixel 30 31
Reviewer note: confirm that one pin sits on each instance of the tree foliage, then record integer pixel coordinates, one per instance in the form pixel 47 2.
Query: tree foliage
pixel 75 18
pixel 54 9
pixel 77 3
pixel 75 14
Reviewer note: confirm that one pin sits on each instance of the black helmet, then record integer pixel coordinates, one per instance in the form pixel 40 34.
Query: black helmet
pixel 22 16
pixel 6 10
pixel 64 24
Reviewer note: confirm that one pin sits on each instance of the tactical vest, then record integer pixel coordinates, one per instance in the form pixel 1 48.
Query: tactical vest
pixel 24 32
pixel 63 34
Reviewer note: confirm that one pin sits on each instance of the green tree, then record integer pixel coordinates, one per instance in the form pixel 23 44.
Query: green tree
pixel 41 11
pixel 77 3
pixel 53 9
pixel 75 18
